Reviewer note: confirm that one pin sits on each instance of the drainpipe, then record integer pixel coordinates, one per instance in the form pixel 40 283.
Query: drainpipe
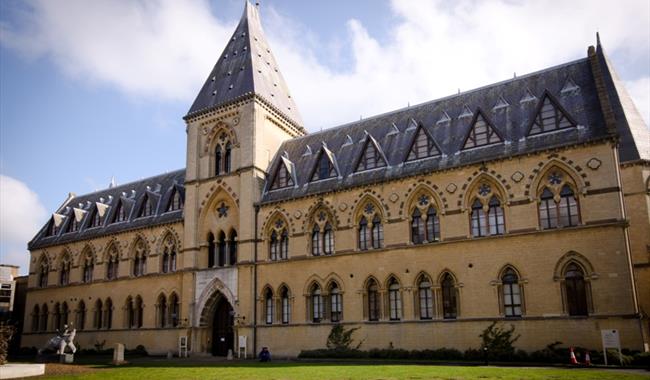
pixel 257 211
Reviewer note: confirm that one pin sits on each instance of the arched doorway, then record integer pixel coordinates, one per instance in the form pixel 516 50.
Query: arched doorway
pixel 222 328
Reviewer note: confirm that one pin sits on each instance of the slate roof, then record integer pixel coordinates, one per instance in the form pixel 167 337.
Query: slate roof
pixel 510 106
pixel 159 189
pixel 246 67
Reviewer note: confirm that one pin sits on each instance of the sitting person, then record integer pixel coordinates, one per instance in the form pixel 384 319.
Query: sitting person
pixel 265 354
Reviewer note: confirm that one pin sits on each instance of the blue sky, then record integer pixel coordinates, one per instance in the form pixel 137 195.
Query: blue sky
pixel 95 89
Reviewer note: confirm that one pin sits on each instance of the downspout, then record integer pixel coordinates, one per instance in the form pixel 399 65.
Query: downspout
pixel 255 241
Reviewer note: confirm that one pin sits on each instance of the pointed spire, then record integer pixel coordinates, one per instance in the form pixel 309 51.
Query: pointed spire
pixel 246 67
pixel 112 184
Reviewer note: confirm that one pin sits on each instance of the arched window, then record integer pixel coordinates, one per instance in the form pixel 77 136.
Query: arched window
pixel 425 298
pixel 96 220
pixel 364 234
pixel 81 315
pixel 175 202
pixel 377 233
pixel 315 241
pixel 576 290
pixel 274 245
pixel 99 315
pixel 433 225
pixel 324 168
pixel 138 312
pixel 284 245
pixel 558 204
pixel 487 223
pixel 57 316
pixel 174 310
pixel 108 314
pixel 112 264
pixel 449 297
pixel 44 318
pixel 417 227
pixel 139 258
pixel 212 251
pixel 65 313
pixel 44 271
pixel 64 275
pixel 232 248
pixel 221 247
pixel 373 301
pixel 120 213
pixel 35 318
pixel 217 160
pixel 328 239
pixel 130 313
pixel 268 306
pixel 162 311
pixel 316 304
pixel 169 254
pixel 285 305
pixel 336 303
pixel 146 208
pixel 88 268
pixel 511 293
pixel 282 177
pixel 394 300
pixel 227 160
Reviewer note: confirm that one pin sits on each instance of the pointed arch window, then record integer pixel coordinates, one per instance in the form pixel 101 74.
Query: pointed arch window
pixel 232 248
pixel 285 306
pixel 120 213
pixel 162 311
pixel 377 232
pixel 217 160
pixel 449 297
pixel 336 303
pixel 282 178
pixel 96 220
pixel 108 314
pixel 422 146
pixel 481 133
pixel 169 254
pixel 324 168
pixel 284 245
pixel 417 227
pixel 394 300
pixel 558 204
pixel 328 239
pixel 139 259
pixel 371 158
pixel 43 273
pixel 316 304
pixel 130 313
pixel 112 263
pixel 146 208
pixel 64 275
pixel 99 315
pixel 35 318
pixel 175 202
pixel 138 311
pixel 576 290
pixel 227 159
pixel 487 223
pixel 315 241
pixel 45 314
pixel 81 315
pixel 373 301
pixel 212 251
pixel 364 234
pixel 512 304
pixel 174 310
pixel 550 116
pixel 425 298
pixel 268 306
pixel 221 249
pixel 274 245
pixel 57 317
pixel 88 268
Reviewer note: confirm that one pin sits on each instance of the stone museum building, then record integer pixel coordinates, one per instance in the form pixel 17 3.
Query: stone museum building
pixel 525 201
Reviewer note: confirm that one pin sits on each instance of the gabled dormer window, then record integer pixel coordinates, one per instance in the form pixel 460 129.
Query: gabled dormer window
pixel 175 202
pixel 371 158
pixel 482 133
pixel 324 168
pixel 550 117
pixel 120 213
pixel 146 209
pixel 73 225
pixel 282 178
pixel 422 146
pixel 96 220
pixel 52 228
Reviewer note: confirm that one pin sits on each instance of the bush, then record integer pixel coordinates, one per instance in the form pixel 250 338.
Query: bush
pixel 642 359
pixel 499 342
pixel 6 332
pixel 340 338
pixel 139 351
pixel 614 358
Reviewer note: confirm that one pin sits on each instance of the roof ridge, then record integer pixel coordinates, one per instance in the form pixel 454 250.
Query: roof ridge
pixel 129 183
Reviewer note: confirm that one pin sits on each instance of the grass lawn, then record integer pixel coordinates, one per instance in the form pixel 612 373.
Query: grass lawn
pixel 311 371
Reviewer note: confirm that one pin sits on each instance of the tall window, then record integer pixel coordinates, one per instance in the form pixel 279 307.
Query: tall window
pixel 373 301
pixel 370 235
pixel 212 251
pixel 81 315
pixel 174 310
pixel 511 293
pixel 364 234
pixel 481 133
pixel 394 300
pixel 324 168
pixel 169 254
pixel 576 290
pixel 449 297
pixel 35 318
pixel 285 306
pixel 417 227
pixel 377 232
pixel 139 259
pixel 315 241
pixel 227 159
pixel 44 318
pixel 138 310
pixel 274 245
pixel 549 117
pixel 268 306
pixel 130 313
pixel 316 304
pixel 162 311
pixel 108 314
pixel 221 249
pixel 487 223
pixel 64 275
pixel 99 315
pixel 336 303
pixel 328 240
pixel 371 157
pixel 112 265
pixel 425 298
pixel 57 316
pixel 284 245
pixel 422 146
pixel 232 248
pixel 425 225
pixel 558 204
pixel 217 160
pixel 44 271
pixel 88 268
pixel 279 241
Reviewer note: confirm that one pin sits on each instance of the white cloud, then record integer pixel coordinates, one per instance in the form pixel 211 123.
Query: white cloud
pixel 164 49
pixel 639 90
pixel 21 216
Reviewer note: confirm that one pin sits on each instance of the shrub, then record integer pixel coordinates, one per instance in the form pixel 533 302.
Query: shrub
pixel 341 339
pixel 614 358
pixel 499 341
pixel 642 359
pixel 138 350
pixel 6 332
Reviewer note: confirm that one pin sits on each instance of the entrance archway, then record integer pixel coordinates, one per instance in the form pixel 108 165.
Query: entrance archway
pixel 222 328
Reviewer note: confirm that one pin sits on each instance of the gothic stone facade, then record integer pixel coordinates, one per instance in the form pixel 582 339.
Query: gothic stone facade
pixel 525 202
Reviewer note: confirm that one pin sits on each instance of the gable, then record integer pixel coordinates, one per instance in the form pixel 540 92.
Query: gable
pixel 481 133
pixel 324 167
pixel 371 156
pixel 550 117
pixel 422 146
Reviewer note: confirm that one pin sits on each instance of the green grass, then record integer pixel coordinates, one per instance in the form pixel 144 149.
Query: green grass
pixel 311 371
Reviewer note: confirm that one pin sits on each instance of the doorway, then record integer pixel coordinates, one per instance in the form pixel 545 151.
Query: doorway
pixel 222 328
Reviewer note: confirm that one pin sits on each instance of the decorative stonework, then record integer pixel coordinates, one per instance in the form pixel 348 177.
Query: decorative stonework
pixel 517 176
pixel 451 188
pixel 343 206
pixel 594 163
pixel 393 197
pixel 297 214
pixel 235 121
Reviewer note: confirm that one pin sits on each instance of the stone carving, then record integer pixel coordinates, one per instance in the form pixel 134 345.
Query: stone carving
pixel 297 214
pixel 517 176
pixel 61 342
pixel 223 210
pixel 393 197
pixel 594 163
pixel 343 206
pixel 451 188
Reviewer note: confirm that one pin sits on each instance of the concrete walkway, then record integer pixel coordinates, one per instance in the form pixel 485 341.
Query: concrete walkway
pixel 14 370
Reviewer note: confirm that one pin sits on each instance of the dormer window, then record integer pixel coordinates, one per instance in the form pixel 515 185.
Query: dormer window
pixel 482 133
pixel 371 157
pixel 282 178
pixel 422 146
pixel 52 228
pixel 147 208
pixel 73 225
pixel 324 168
pixel 175 203
pixel 550 117
pixel 120 213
